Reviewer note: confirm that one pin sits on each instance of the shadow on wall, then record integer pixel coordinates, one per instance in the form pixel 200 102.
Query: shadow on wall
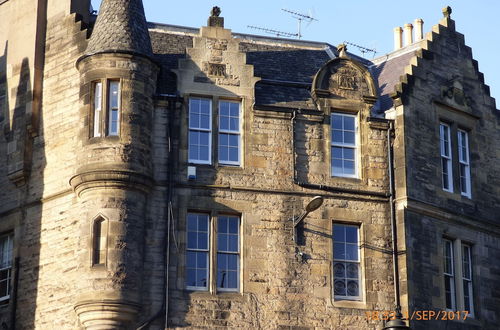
pixel 21 178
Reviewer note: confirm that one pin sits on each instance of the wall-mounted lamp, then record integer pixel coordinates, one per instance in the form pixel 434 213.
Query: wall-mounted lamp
pixel 313 205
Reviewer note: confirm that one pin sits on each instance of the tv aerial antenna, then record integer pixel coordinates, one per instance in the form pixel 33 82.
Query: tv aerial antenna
pixel 362 49
pixel 272 31
pixel 300 17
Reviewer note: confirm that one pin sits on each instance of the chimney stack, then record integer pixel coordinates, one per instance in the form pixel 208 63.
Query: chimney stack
pixel 419 29
pixel 408 34
pixel 398 38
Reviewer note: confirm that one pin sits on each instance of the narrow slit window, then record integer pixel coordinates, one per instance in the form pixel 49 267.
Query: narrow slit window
pixel 114 108
pixel 446 165
pixel 463 156
pixel 99 247
pixel 97 108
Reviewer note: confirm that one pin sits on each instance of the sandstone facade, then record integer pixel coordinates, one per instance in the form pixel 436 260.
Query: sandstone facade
pixel 97 197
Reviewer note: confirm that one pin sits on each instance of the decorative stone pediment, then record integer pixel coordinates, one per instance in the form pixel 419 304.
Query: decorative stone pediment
pixel 343 78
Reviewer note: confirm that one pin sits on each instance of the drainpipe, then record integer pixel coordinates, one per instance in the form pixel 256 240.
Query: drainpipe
pixel 173 99
pixel 398 322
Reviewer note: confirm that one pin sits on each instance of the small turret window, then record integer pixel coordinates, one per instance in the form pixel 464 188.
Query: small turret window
pixel 99 241
pixel 114 108
pixel 106 108
pixel 97 108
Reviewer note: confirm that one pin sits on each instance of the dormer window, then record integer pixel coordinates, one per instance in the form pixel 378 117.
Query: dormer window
pixel 106 108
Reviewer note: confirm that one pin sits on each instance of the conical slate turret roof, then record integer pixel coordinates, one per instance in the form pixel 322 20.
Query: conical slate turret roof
pixel 120 26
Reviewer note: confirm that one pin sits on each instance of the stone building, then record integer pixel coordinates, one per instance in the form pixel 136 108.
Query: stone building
pixel 161 176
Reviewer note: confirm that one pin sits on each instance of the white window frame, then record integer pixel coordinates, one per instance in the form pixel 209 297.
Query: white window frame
pixel 97 108
pixel 464 163
pixel 236 132
pixel 111 108
pixel 6 256
pixel 212 252
pixel 358 262
pixel 200 129
pixel 446 157
pixel 237 253
pixel 353 146
pixel 449 276
pixel 467 280
pixel 207 251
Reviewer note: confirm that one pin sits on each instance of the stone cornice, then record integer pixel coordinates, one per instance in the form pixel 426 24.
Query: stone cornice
pixel 110 178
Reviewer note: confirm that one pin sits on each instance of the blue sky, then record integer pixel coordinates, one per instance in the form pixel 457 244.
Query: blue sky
pixel 364 22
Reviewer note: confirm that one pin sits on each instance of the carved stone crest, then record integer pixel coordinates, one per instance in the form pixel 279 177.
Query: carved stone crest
pixel 454 92
pixel 344 78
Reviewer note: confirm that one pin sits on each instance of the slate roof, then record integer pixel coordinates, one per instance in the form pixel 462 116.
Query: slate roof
pixel 120 26
pixel 286 66
pixel 387 73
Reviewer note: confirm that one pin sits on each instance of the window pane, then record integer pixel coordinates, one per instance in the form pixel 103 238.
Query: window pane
pixel 114 94
pixel 223 153
pixel 351 234
pixel 349 137
pixel 337 122
pixel 194 120
pixel 191 259
pixel 233 225
pixel 339 270
pixel 339 287
pixel 235 109
pixel 337 167
pixel 337 136
pixel 349 167
pixel 348 153
pixel 222 224
pixel 232 282
pixel 222 242
pixel 352 270
pixel 201 278
pixel 224 109
pixel 203 222
pixel 234 140
pixel 202 241
pixel 339 251
pixel 351 252
pixel 339 233
pixel 234 124
pixel 205 106
pixel 337 152
pixel 192 240
pixel 191 277
pixel 352 288
pixel 232 243
pixel 348 123
pixel 233 155
pixel 224 122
